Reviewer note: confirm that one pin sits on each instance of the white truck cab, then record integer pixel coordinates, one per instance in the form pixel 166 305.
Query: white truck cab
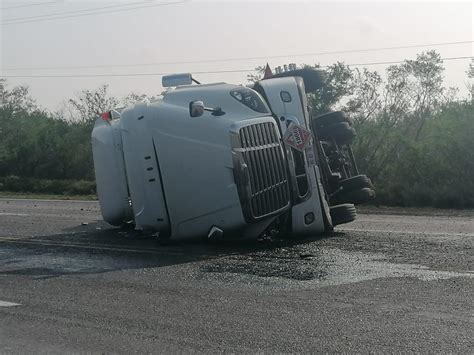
pixel 210 160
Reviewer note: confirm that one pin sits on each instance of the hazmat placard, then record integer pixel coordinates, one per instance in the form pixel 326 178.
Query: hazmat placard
pixel 297 137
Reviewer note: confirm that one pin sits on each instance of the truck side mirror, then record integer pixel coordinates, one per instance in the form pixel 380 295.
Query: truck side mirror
pixel 196 108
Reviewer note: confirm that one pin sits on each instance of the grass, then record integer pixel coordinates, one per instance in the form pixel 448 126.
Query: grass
pixel 39 196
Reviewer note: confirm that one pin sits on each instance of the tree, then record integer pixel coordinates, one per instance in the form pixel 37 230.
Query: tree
pixel 134 98
pixel 338 84
pixel 90 104
pixel 254 77
pixel 470 75
pixel 414 91
pixel 391 115
pixel 366 100
pixel 16 103
pixel 16 99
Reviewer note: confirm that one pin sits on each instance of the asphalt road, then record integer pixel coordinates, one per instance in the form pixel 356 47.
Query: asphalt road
pixel 393 281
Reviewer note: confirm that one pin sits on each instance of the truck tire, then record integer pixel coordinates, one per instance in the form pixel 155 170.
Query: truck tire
pixel 330 118
pixel 355 196
pixel 341 132
pixel 362 195
pixel 344 213
pixel 355 183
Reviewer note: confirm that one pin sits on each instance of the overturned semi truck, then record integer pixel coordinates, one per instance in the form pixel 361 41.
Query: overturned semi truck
pixel 221 160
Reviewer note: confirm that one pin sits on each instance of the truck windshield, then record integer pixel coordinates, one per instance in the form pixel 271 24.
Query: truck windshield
pixel 250 99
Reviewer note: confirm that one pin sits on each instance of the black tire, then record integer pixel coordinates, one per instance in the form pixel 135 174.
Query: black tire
pixel 330 118
pixel 356 196
pixel 313 80
pixel 345 137
pixel 361 196
pixel 355 183
pixel 341 132
pixel 344 213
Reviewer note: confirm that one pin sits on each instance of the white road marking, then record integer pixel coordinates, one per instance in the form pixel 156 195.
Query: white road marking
pixel 14 214
pixel 8 304
pixel 405 232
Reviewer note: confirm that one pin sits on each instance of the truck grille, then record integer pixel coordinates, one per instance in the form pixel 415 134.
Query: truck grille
pixel 267 190
pixel 300 173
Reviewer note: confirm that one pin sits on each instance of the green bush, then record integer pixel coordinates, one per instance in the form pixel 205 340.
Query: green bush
pixel 46 186
pixel 434 168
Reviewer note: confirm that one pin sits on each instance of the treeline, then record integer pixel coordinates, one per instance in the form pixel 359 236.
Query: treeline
pixel 40 153
pixel 50 152
pixel 433 167
pixel 414 134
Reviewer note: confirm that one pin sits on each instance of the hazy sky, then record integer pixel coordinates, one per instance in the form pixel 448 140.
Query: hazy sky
pixel 210 30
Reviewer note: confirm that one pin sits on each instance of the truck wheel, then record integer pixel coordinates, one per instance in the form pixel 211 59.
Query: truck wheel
pixel 362 195
pixel 355 183
pixel 341 132
pixel 344 213
pixel 330 118
pixel 355 196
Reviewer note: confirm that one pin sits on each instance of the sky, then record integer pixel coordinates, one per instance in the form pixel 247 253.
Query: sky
pixel 203 36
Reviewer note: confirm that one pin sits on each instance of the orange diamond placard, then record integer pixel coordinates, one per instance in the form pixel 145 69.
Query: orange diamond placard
pixel 297 137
